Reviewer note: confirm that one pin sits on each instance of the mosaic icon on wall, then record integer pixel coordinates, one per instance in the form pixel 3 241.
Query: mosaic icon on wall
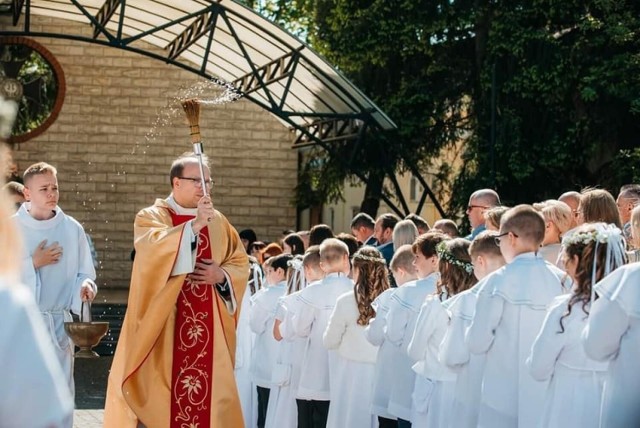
pixel 31 76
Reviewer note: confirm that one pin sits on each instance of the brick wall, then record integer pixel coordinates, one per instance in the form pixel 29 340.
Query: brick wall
pixel 108 170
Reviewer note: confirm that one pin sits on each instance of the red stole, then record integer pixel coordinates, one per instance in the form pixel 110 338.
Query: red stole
pixel 192 368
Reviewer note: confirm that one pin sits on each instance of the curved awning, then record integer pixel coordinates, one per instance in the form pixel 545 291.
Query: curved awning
pixel 227 40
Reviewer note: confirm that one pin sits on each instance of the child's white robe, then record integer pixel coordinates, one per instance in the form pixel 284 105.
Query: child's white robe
pixel 509 313
pixel 613 332
pixel 282 411
pixel 435 383
pixel 352 394
pixel 404 309
pixel 385 363
pixel 575 390
pixel 454 353
pixel 316 305
pixel 245 339
pixel 33 389
pixel 56 287
pixel 263 311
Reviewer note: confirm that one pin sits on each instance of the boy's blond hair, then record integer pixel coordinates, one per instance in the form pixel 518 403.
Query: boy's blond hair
pixel 38 169
pixel 311 258
pixel 525 222
pixel 403 259
pixel 484 244
pixel 333 250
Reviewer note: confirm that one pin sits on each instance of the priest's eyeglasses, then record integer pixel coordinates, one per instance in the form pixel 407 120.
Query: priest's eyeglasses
pixel 196 181
pixel 498 238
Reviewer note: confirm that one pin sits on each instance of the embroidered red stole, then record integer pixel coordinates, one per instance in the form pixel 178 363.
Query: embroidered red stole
pixel 192 368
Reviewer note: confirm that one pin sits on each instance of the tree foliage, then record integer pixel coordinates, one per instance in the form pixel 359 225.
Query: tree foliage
pixel 566 78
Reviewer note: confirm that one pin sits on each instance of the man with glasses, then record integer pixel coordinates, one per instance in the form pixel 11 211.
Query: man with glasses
pixel 174 360
pixel 480 201
pixel 628 198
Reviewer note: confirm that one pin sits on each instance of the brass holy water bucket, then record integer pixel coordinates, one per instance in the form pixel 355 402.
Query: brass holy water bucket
pixel 86 335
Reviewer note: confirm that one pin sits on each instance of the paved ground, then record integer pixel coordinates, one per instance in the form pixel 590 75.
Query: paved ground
pixel 91 385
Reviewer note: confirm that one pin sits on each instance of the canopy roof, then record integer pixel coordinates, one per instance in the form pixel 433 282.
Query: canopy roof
pixel 227 40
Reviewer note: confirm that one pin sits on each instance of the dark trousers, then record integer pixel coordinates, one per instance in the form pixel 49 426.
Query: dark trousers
pixel 387 423
pixel 263 403
pixel 403 424
pixel 312 413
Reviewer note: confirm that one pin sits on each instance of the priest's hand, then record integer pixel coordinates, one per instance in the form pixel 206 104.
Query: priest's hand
pixel 86 291
pixel 207 272
pixel 46 255
pixel 204 215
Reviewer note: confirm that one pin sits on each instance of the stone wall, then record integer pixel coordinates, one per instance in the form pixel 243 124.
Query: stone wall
pixel 108 169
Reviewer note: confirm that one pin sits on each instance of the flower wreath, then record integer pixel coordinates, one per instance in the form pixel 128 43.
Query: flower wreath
pixel 369 258
pixel 441 250
pixel 602 235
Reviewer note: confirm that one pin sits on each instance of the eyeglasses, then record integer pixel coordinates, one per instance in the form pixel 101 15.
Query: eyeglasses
pixel 498 238
pixel 470 207
pixel 196 181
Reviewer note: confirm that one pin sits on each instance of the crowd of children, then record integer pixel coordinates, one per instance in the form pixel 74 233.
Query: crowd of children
pixel 531 324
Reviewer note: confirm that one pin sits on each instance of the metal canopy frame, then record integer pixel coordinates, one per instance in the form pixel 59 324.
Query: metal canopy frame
pixel 224 39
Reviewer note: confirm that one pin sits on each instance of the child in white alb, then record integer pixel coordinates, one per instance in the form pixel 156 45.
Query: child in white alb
pixel 352 395
pixel 575 390
pixel 435 383
pixel 313 309
pixel 404 273
pixel 403 312
pixel 613 333
pixel 283 411
pixel 510 310
pixel 263 311
pixel 454 352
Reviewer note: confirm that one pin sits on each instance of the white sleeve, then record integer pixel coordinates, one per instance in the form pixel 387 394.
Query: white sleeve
pixel 397 320
pixel 186 260
pixel 258 317
pixel 480 334
pixel 547 346
pixel 422 332
pixel 606 325
pixel 336 328
pixel 454 352
pixel 303 319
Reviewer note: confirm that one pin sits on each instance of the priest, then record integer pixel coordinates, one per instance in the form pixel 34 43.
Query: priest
pixel 173 366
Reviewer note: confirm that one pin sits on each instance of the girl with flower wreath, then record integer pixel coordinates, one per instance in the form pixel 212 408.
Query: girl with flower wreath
pixel 434 389
pixel 573 397
pixel 352 395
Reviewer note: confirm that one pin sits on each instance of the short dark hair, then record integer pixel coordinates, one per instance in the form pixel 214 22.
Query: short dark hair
pixel 362 220
pixel 280 262
pixel 426 243
pixel 418 221
pixel 319 233
pixel 177 166
pixel 351 242
pixel 388 220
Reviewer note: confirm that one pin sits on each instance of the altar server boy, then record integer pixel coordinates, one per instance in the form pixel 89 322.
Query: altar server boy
pixel 56 259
